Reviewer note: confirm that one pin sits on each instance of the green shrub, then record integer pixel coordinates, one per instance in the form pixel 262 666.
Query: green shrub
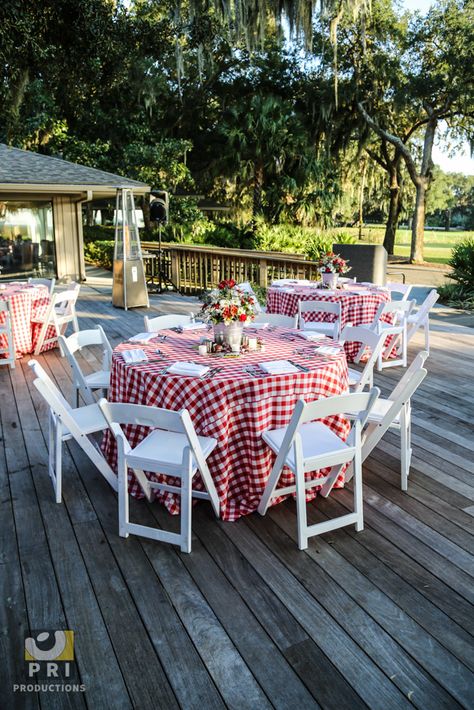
pixel 462 263
pixel 100 253
pixel 97 232
pixel 456 296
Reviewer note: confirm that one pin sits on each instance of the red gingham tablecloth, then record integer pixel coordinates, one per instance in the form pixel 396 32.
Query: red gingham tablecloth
pixel 357 307
pixel 233 406
pixel 24 299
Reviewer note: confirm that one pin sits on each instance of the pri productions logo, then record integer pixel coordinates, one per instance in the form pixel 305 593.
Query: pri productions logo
pixel 49 657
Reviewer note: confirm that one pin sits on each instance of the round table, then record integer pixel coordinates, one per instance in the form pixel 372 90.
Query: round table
pixel 359 304
pixel 24 300
pixel 233 406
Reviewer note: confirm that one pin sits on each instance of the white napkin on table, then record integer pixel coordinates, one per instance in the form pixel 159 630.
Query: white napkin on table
pixel 278 367
pixel 188 368
pixel 131 356
pixel 311 335
pixel 142 338
pixel 328 350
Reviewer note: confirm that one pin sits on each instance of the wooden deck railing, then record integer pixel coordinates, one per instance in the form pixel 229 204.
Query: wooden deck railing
pixel 194 269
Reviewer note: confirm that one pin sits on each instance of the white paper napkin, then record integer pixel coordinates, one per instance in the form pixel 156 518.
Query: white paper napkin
pixel 137 355
pixel 142 338
pixel 328 350
pixel 188 368
pixel 278 367
pixel 311 335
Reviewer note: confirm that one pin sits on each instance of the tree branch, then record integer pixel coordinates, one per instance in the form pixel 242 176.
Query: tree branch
pixel 394 140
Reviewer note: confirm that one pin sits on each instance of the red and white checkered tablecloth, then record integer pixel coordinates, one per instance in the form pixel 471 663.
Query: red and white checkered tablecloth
pixel 233 406
pixel 24 300
pixel 358 307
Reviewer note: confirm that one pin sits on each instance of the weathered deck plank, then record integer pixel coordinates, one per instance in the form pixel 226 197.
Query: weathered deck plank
pixel 381 618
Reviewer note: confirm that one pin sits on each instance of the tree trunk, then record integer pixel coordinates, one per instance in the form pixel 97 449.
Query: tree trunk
pixel 89 214
pixel 392 219
pixel 257 189
pixel 361 197
pixel 418 227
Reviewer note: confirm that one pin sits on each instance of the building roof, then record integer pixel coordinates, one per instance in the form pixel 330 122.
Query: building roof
pixel 28 171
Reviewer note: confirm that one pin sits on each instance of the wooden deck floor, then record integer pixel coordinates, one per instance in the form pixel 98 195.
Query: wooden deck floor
pixel 379 619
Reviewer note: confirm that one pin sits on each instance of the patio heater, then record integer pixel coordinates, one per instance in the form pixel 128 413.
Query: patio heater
pixel 129 286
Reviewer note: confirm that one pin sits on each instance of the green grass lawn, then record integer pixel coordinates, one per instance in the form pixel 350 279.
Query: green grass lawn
pixel 438 244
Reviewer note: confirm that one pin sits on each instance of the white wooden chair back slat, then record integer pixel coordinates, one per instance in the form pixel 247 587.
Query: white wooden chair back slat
pixel 420 319
pixel 76 342
pixel 276 319
pixel 320 307
pixel 368 339
pixel 403 289
pixel 246 287
pixel 60 312
pixel 172 320
pixel 50 283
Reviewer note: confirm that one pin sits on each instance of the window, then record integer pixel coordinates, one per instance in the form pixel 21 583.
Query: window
pixel 26 239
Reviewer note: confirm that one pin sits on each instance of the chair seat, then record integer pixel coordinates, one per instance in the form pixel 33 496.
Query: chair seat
pixel 99 379
pixel 165 449
pixel 89 419
pixel 388 328
pixel 317 440
pixel 380 409
pixel 354 376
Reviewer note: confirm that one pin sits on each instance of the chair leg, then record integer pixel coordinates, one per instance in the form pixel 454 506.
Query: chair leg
pixel 404 448
pixel 186 508
pixel 358 497
pixel 301 514
pixel 41 337
pixel 123 502
pixel 426 328
pixel 58 462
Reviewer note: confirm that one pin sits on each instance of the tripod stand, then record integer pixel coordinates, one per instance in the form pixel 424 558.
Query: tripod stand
pixel 163 279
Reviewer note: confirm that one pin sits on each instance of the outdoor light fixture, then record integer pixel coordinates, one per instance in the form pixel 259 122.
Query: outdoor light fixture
pixel 129 286
pixel 159 213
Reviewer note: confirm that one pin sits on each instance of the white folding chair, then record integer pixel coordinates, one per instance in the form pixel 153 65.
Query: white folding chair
pixel 173 320
pixel 368 340
pixel 395 413
pixel 60 312
pixel 50 283
pixel 396 331
pixel 420 318
pixel 276 319
pixel 331 329
pixel 403 290
pixel 246 287
pixel 66 423
pixel 174 449
pixel 7 334
pixel 97 380
pixel 307 445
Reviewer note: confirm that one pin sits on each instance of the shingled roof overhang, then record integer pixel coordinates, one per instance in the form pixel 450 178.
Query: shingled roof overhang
pixel 22 171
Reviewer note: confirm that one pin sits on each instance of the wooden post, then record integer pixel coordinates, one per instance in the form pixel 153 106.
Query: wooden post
pixel 175 267
pixel 263 280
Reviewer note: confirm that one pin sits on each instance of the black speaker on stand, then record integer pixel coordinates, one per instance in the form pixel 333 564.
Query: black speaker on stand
pixel 159 213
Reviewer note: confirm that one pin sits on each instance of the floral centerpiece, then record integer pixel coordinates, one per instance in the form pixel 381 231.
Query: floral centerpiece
pixel 228 308
pixel 331 266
